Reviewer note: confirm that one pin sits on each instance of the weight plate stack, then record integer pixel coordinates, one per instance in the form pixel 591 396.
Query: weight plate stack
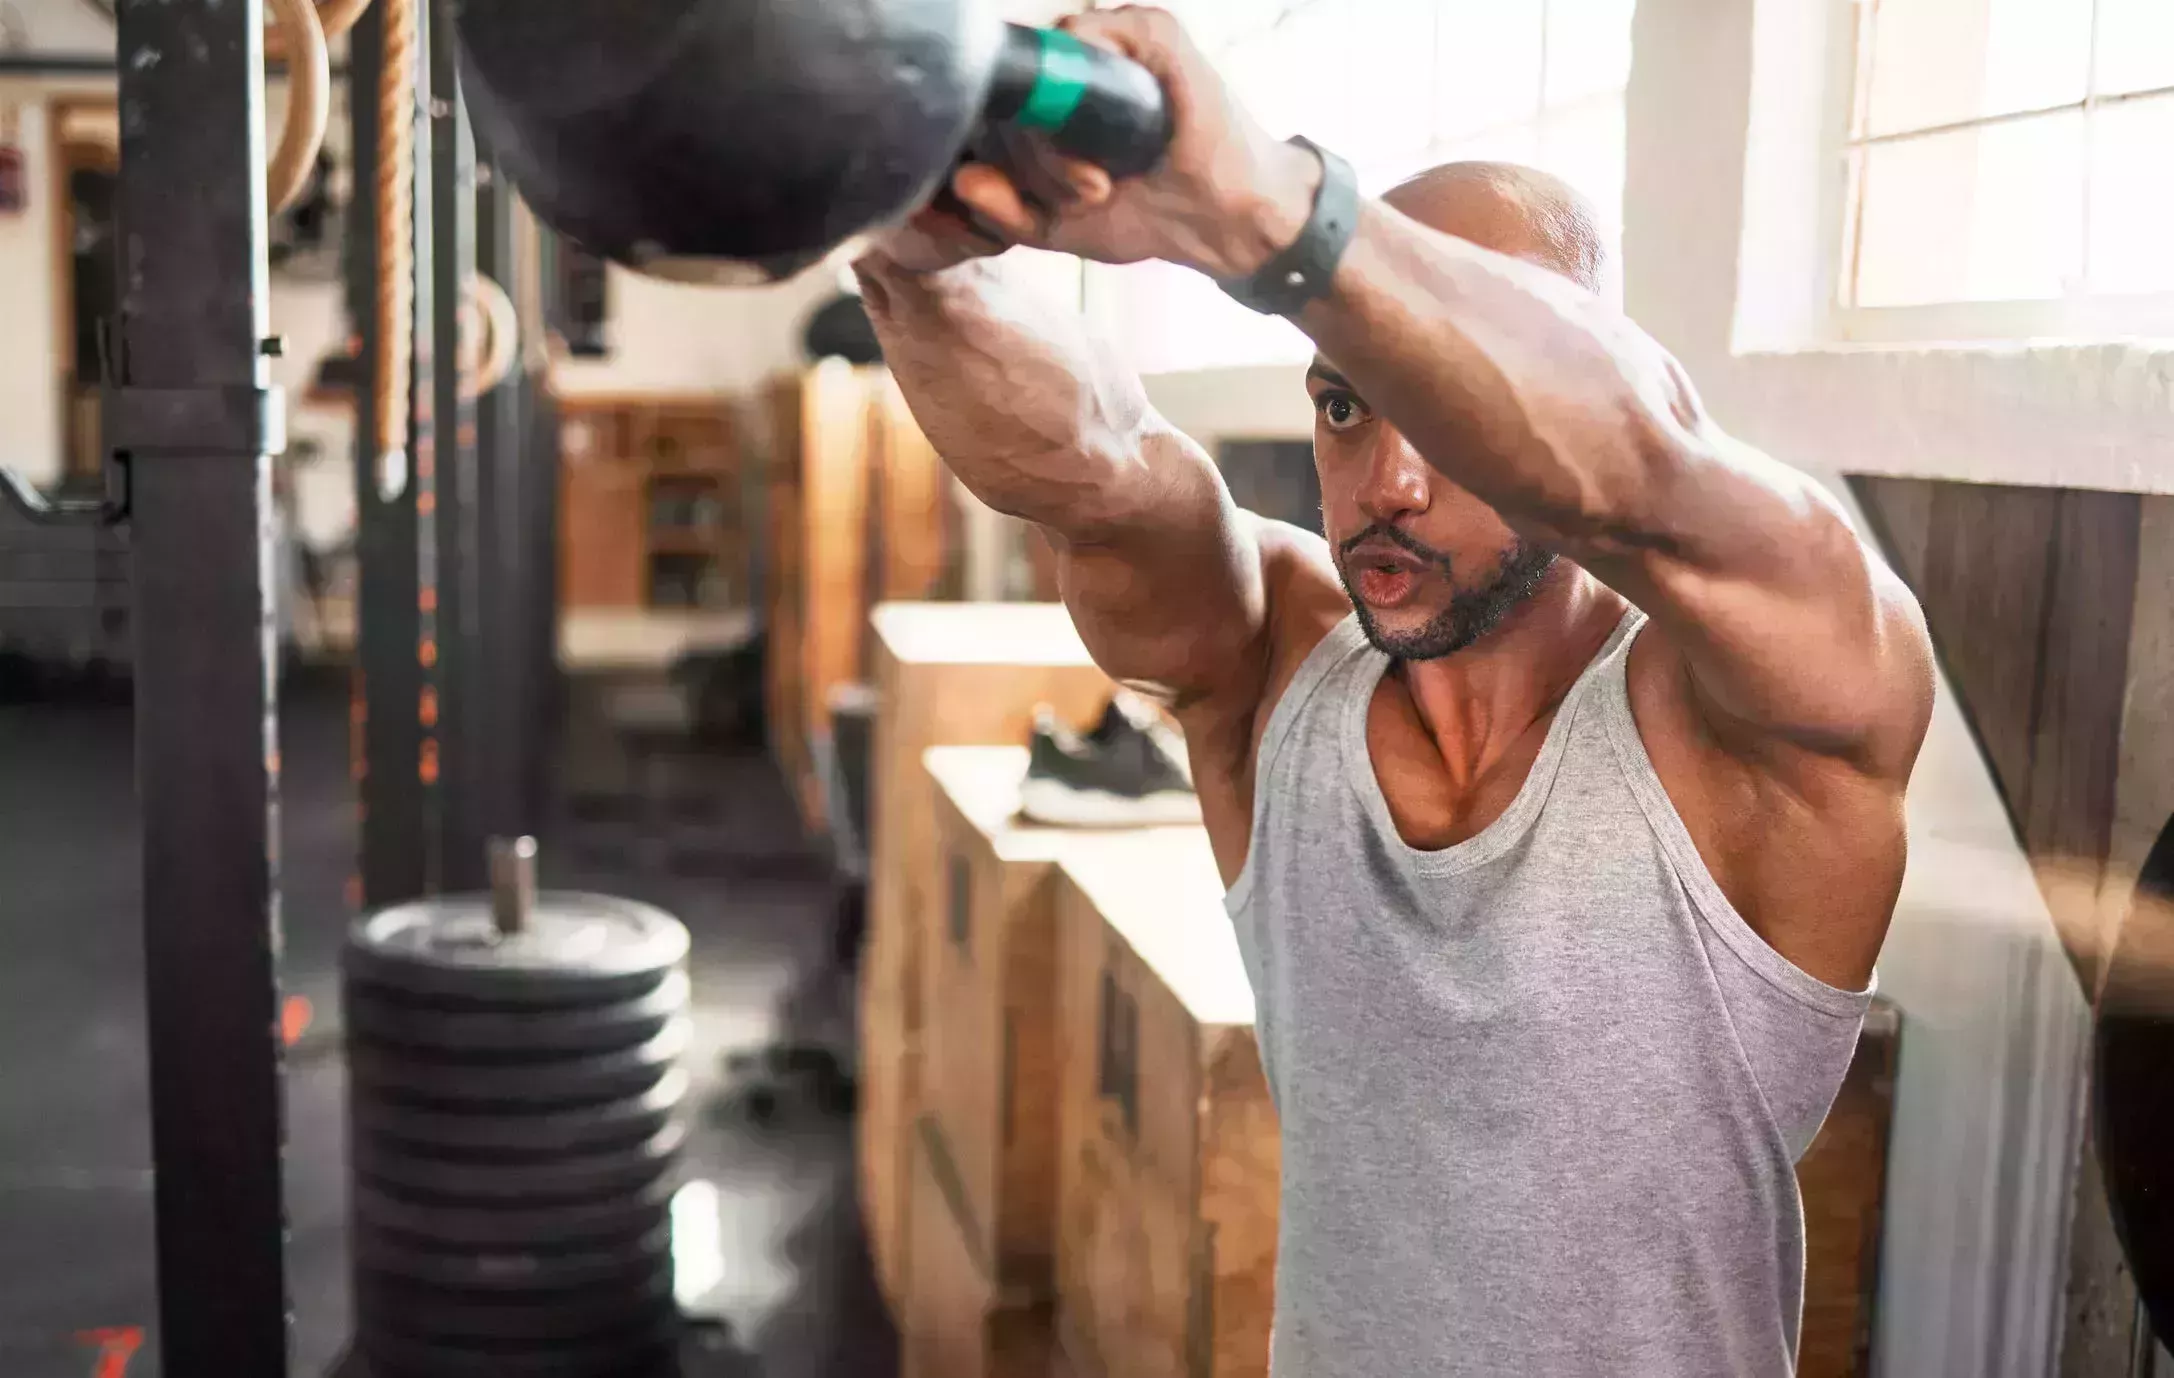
pixel 514 1119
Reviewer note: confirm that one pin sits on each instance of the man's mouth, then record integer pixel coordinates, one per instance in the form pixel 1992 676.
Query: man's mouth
pixel 1383 575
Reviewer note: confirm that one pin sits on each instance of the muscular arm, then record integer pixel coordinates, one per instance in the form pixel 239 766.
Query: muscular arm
pixel 1548 404
pixel 1041 421
pixel 1545 402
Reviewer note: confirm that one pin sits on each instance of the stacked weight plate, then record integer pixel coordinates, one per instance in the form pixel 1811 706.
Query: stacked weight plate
pixel 514 1130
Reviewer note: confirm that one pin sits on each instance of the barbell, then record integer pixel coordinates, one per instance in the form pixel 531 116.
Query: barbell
pixel 744 140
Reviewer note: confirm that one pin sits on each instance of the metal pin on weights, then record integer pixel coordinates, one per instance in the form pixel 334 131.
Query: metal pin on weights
pixel 513 883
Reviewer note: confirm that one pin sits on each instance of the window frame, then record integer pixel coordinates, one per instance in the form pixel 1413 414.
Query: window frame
pixel 2074 316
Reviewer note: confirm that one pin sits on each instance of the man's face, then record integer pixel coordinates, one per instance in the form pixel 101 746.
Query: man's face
pixel 1429 567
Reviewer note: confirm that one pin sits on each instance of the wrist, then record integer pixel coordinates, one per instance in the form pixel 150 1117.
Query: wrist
pixel 1261 219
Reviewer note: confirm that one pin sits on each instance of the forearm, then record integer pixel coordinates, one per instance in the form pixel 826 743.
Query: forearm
pixel 1041 421
pixel 1035 416
pixel 1522 388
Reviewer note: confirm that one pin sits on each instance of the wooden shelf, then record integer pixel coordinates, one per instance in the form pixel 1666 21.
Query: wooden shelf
pixel 681 540
pixel 625 457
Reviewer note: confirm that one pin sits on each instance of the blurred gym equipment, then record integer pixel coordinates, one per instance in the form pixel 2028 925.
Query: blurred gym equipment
pixel 742 140
pixel 513 1112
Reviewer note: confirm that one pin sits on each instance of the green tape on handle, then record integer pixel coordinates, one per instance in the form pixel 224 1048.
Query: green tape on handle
pixel 1066 68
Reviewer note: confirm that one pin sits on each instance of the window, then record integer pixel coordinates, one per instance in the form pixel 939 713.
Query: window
pixel 2010 152
pixel 1395 86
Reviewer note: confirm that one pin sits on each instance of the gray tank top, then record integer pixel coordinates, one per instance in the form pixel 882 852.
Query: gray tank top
pixel 1543 1091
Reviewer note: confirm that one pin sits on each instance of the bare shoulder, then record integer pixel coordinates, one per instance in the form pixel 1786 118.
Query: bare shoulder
pixel 1806 839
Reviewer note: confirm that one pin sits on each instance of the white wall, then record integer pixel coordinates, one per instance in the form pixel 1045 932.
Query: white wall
pixel 1264 402
pixel 673 337
pixel 29 376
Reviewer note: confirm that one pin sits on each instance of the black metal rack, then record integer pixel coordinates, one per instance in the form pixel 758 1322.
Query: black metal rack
pixel 389 680
pixel 195 429
pixel 454 625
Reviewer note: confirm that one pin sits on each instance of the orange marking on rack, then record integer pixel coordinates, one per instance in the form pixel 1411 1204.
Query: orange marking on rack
pixel 117 1344
pixel 294 1019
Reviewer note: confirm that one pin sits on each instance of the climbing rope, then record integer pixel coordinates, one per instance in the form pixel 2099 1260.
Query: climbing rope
pixel 395 323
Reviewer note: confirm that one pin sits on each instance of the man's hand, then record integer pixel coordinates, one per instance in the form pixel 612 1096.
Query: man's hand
pixel 1225 199
pixel 931 240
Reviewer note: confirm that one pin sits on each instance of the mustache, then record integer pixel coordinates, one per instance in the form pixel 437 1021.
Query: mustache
pixel 1401 540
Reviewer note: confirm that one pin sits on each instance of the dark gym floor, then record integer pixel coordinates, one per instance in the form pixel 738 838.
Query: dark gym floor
pixel 790 1270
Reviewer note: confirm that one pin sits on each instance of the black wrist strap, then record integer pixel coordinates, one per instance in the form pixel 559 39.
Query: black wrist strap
pixel 1302 271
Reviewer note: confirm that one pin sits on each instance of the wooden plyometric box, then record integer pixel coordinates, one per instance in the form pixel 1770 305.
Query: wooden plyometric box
pixel 1168 1155
pixel 958 1322
pixel 988 997
pixel 945 674
pixel 1843 1179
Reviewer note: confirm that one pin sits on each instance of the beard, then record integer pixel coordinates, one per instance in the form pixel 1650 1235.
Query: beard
pixel 1471 614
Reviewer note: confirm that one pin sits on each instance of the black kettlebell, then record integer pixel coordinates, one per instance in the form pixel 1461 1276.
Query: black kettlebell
pixel 742 140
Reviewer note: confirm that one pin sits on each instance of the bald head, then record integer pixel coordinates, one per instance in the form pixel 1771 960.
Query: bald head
pixel 1514 210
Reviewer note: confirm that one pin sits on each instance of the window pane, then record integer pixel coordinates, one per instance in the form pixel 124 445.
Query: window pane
pixel 1488 69
pixel 1167 318
pixel 1515 143
pixel 1588 48
pixel 1292 70
pixel 2136 45
pixel 1938 61
pixel 1218 24
pixel 2132 197
pixel 1391 106
pixel 1583 145
pixel 1992 214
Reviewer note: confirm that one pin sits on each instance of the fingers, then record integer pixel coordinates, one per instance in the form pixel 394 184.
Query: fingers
pixel 948 227
pixel 1149 36
pixel 1088 184
pixel 992 197
pixel 932 239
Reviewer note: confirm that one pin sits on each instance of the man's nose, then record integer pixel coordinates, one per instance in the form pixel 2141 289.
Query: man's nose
pixel 1396 482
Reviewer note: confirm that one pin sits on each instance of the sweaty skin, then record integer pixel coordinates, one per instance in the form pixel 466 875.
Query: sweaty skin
pixel 1476 393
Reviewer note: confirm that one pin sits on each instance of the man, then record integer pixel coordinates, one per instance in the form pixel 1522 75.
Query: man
pixel 1559 791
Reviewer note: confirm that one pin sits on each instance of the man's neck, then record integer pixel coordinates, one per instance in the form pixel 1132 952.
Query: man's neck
pixel 1478 703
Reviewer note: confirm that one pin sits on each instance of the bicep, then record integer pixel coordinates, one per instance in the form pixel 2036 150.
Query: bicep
pixel 1173 598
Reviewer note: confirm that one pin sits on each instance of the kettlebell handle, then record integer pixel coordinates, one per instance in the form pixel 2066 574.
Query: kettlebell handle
pixel 1084 101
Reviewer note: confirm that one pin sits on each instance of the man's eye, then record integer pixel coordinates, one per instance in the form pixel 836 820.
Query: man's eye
pixel 1341 411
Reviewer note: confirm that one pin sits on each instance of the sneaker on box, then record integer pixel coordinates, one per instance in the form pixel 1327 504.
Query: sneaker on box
pixel 1128 772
